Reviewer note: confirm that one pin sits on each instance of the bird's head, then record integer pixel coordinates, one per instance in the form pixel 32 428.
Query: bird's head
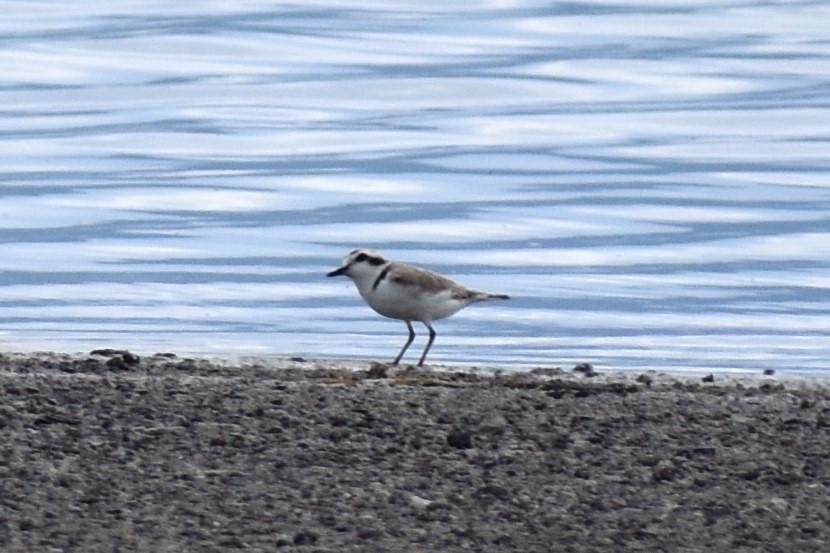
pixel 361 266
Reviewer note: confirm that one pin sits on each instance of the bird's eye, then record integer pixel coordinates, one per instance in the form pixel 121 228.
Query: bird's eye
pixel 361 258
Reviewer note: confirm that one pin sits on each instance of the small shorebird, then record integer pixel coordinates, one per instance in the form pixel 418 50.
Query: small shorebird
pixel 405 292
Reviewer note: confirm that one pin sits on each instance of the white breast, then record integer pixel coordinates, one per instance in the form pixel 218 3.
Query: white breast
pixel 409 303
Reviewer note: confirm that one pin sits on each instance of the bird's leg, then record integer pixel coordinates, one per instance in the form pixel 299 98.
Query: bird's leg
pixel 406 345
pixel 429 344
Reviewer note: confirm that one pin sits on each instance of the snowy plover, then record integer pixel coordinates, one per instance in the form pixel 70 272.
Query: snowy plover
pixel 406 292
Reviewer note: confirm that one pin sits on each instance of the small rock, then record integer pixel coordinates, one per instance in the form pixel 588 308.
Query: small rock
pixel 419 502
pixel 67 368
pixel 460 439
pixel 582 473
pixel 298 359
pixel 187 365
pixel 232 542
pixel 305 537
pixel 369 533
pixel 708 378
pixel 377 371
pixel 779 504
pixel 339 420
pixel 26 525
pixel 120 359
pixel 748 470
pixel 493 491
pixel 586 369
pixel 665 471
pixel 108 352
pixel 645 379
pixel 117 363
pixel 771 388
pixel 769 372
pixel 560 440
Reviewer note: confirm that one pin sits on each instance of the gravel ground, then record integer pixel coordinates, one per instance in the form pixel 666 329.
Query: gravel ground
pixel 109 453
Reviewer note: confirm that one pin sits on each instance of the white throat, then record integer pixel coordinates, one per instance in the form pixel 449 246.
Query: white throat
pixel 366 278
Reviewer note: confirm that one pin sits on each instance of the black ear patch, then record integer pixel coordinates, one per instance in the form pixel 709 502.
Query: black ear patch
pixel 370 259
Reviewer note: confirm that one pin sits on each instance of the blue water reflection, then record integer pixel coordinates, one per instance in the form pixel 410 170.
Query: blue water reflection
pixel 649 183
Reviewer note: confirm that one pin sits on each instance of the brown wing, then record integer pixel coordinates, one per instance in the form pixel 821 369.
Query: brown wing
pixel 425 280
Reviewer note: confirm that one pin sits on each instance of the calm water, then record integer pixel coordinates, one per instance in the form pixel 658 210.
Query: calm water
pixel 650 181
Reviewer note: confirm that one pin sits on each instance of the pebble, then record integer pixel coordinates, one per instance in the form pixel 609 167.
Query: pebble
pixel 460 439
pixel 419 502
pixel 586 369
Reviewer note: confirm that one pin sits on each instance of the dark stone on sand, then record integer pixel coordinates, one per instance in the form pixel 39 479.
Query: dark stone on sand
pixel 586 369
pixel 119 359
pixel 708 378
pixel 489 493
pixel 377 371
pixel 117 363
pixel 305 537
pixel 645 379
pixel 665 471
pixel 108 352
pixel 769 372
pixel 68 368
pixel 460 439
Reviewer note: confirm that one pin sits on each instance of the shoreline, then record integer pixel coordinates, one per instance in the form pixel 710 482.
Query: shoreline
pixel 165 453
pixel 285 365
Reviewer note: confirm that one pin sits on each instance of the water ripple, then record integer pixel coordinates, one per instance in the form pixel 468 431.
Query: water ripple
pixel 649 182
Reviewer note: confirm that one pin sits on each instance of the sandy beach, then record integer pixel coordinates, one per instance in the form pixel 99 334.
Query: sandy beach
pixel 112 452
